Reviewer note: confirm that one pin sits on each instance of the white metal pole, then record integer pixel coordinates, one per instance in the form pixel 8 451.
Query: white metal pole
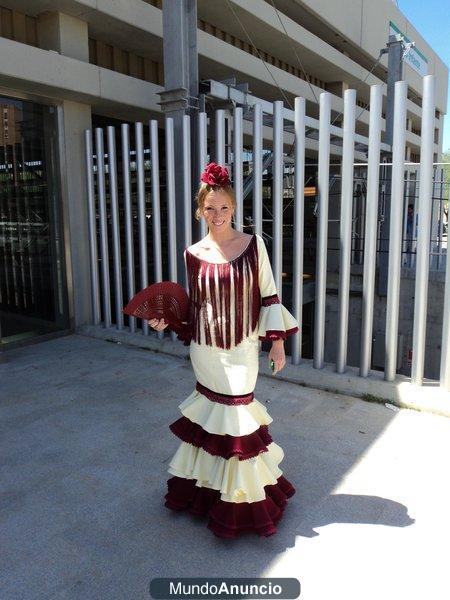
pixel 114 203
pixel 103 226
pixel 202 158
pixel 125 128
pixel 237 167
pixel 322 228
pixel 371 226
pixel 444 378
pixel 220 136
pixel 142 221
pixel 423 232
pixel 171 205
pixel 186 136
pixel 156 206
pixel 348 154
pixel 257 168
pixel 95 287
pixel 395 230
pixel 278 195
pixel 299 225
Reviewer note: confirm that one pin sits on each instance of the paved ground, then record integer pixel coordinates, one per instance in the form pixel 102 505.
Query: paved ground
pixel 84 450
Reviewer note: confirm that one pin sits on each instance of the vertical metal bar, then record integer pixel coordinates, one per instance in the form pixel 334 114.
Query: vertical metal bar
pixel 299 224
pixel 171 206
pixel 348 154
pixel 257 168
pixel 441 222
pixel 117 263
pixel 220 136
pixel 142 221
pixel 237 168
pixel 187 180
pixel 103 226
pixel 95 287
pixel 353 234
pixel 405 245
pixel 423 234
pixel 131 289
pixel 414 230
pixel 434 220
pixel 323 180
pixel 444 377
pixel 277 195
pixel 202 158
pixel 371 228
pixel 156 206
pixel 395 228
pixel 156 201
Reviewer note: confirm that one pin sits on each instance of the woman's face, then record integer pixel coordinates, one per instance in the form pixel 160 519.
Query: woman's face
pixel 218 210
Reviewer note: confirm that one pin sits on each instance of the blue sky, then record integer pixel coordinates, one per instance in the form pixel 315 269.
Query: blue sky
pixel 431 18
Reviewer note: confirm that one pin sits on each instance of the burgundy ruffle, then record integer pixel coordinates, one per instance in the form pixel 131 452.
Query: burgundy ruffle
pixel 230 519
pixel 226 446
pixel 275 334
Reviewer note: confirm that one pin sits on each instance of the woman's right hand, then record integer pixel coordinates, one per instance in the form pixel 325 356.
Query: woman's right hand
pixel 158 324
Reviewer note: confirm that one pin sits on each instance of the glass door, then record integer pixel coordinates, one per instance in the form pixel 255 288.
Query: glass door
pixel 33 291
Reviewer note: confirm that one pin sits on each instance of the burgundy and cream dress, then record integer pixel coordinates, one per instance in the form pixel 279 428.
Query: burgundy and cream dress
pixel 226 467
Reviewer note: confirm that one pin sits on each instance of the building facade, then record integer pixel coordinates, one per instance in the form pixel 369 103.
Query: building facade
pixel 67 66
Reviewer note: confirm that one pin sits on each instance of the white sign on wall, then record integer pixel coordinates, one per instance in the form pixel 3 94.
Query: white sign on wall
pixel 414 58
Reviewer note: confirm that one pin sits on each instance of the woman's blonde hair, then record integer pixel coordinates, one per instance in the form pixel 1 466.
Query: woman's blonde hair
pixel 204 190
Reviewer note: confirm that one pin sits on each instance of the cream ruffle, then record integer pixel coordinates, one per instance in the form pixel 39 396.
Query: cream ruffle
pixel 222 419
pixel 275 317
pixel 237 480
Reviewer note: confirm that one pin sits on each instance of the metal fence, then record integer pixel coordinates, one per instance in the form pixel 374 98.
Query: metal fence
pixel 131 192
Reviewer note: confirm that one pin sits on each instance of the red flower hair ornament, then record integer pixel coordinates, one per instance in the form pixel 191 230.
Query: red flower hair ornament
pixel 215 174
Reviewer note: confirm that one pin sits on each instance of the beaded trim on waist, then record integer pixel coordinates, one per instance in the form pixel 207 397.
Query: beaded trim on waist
pixel 224 398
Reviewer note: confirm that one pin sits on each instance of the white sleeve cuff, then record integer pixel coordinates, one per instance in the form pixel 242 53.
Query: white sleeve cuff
pixel 275 322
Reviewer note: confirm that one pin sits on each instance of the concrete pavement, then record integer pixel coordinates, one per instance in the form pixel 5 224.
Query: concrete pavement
pixel 85 446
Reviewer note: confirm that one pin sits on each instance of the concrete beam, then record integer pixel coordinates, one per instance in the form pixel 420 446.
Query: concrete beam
pixel 49 74
pixel 64 34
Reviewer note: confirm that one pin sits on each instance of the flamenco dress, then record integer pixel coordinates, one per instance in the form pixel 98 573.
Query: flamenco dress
pixel 226 467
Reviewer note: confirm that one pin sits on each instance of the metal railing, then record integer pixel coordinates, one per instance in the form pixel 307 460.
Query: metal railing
pixel 141 191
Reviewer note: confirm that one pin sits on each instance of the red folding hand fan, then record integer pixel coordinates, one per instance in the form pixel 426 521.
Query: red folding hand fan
pixel 164 299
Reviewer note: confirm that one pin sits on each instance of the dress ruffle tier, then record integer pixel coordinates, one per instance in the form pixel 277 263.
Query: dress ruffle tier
pixel 227 467
pixel 230 519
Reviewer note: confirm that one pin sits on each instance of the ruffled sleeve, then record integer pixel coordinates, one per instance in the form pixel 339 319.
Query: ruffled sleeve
pixel 275 321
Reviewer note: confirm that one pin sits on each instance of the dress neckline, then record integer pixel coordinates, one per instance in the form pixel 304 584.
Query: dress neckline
pixel 227 261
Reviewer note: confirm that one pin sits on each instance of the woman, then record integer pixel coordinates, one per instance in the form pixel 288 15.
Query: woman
pixel 227 465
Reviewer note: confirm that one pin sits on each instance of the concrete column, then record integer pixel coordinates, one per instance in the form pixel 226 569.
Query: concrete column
pixel 64 34
pixel 75 118
pixel 69 36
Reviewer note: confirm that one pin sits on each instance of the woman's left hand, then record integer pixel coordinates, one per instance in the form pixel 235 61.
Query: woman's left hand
pixel 278 355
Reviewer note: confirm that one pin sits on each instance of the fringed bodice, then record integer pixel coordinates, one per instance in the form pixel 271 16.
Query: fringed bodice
pixel 224 298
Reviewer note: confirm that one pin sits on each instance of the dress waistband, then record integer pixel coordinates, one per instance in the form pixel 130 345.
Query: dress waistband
pixel 224 398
